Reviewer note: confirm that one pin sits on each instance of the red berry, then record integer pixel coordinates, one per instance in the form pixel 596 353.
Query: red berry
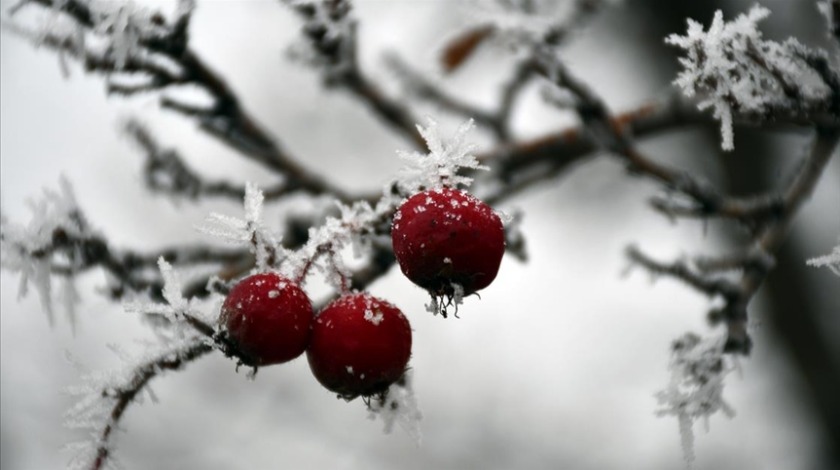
pixel 446 236
pixel 268 317
pixel 360 345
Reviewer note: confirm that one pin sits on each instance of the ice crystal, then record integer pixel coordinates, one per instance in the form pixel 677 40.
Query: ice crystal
pixel 331 237
pixel 48 246
pixel 399 406
pixel 103 395
pixel 263 242
pixel 440 167
pixel 832 260
pixel 737 71
pixel 695 391
pixel 119 30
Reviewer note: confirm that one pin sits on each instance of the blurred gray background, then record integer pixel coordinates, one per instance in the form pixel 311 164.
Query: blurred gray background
pixel 555 366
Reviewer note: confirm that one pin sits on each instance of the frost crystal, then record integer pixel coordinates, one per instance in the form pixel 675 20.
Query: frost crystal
pixel 738 72
pixel 49 245
pixel 172 290
pixel 120 31
pixel 832 260
pixel 440 166
pixel 331 237
pixel 399 406
pixel 698 369
pixel 103 396
pixel 263 243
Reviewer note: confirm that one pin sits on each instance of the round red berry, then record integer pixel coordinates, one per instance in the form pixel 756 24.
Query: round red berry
pixel 446 236
pixel 268 317
pixel 360 345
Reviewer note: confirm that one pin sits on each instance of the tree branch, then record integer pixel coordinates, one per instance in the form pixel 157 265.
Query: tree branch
pixel 125 394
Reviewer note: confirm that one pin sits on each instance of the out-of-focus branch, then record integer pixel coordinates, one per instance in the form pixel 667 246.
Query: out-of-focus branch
pixel 166 171
pixel 125 394
pixel 497 121
pixel 167 61
pixel 768 232
pixel 423 88
pixel 330 31
pixel 72 255
pixel 799 190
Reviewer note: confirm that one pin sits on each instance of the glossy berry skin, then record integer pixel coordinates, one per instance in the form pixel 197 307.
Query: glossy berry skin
pixel 445 236
pixel 269 318
pixel 360 345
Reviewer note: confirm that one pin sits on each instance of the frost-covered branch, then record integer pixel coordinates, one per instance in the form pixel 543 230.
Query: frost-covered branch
pixel 166 171
pixel 698 369
pixel 768 215
pixel 737 71
pixel 757 260
pixel 424 88
pixel 105 397
pixel 683 271
pixel 331 47
pixel 138 51
pixel 58 242
pixel 612 135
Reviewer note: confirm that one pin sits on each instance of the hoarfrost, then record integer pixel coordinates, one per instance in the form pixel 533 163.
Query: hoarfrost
pixel 120 31
pixel 831 260
pixel 263 243
pixel 103 395
pixel 42 249
pixel 737 71
pixel 440 166
pixel 399 406
pixel 695 391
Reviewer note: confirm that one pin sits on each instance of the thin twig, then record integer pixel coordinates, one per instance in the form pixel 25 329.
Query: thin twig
pixel 126 394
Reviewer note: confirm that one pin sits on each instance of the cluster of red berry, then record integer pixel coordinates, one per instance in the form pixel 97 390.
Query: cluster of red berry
pixel 445 241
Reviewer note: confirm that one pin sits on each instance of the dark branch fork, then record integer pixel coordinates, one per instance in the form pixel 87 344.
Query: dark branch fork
pixel 769 216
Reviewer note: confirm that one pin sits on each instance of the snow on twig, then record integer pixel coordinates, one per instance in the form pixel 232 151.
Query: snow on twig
pixel 831 260
pixel 698 369
pixel 35 249
pixel 737 71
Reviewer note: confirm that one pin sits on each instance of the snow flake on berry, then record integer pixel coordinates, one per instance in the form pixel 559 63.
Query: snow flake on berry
pixel 375 318
pixel 398 405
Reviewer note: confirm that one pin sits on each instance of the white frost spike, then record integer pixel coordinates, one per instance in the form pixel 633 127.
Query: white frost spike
pixel 253 203
pixel 250 231
pixel 98 395
pixel 832 260
pixel 399 407
pixel 695 391
pixel 172 289
pixel 738 72
pixel 56 212
pixel 441 165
